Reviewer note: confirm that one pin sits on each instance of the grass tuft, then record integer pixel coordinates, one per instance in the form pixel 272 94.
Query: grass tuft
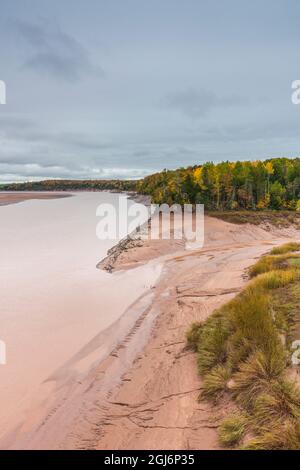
pixel 274 279
pixel 193 335
pixel 279 437
pixel 212 342
pixel 286 248
pixel 281 403
pixel 256 375
pixel 215 383
pixel 271 263
pixel 232 430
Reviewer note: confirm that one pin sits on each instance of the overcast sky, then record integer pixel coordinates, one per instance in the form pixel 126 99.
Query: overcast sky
pixel 122 88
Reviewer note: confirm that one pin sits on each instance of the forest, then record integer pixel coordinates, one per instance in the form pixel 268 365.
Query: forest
pixel 247 185
pixel 250 185
pixel 71 185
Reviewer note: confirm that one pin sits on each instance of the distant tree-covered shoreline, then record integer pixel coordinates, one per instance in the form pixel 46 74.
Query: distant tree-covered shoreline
pixel 71 185
pixel 247 185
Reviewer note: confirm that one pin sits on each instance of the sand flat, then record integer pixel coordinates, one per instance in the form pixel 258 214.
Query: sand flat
pixel 156 406
pixel 54 301
pixel 143 395
pixel 14 197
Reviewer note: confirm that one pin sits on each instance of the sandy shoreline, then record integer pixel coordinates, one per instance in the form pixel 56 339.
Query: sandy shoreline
pixel 14 197
pixel 155 406
pixel 142 394
pixel 57 309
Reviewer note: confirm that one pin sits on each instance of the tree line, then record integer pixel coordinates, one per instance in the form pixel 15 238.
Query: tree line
pixel 250 185
pixel 254 185
pixel 72 185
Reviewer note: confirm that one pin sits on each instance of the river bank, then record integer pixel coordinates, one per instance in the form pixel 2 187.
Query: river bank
pixel 134 384
pixel 155 406
pixel 57 308
pixel 143 395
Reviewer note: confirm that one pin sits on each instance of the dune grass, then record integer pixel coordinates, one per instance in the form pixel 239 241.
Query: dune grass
pixel 295 262
pixel 274 279
pixel 286 248
pixel 193 335
pixel 271 263
pixel 215 383
pixel 233 429
pixel 284 436
pixel 243 352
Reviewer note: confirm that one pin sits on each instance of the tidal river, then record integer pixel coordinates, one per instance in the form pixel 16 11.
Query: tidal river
pixel 53 299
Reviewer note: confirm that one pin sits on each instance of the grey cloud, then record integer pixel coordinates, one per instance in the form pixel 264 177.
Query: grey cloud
pixel 14 121
pixel 34 171
pixel 173 97
pixel 20 128
pixel 31 150
pixel 33 33
pixel 249 132
pixel 55 53
pixel 198 103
